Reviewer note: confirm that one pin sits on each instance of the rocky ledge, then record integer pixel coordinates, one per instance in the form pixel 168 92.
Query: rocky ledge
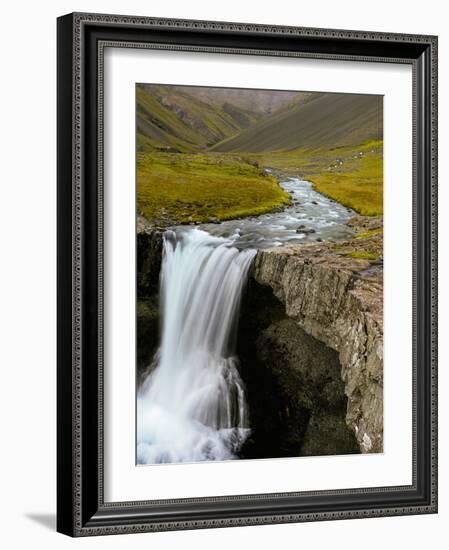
pixel 337 299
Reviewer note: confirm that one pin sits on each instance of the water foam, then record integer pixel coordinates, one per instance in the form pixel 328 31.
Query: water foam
pixel 192 407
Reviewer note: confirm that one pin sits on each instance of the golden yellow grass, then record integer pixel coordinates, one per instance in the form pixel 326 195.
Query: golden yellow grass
pixel 193 188
pixel 358 186
pixel 352 175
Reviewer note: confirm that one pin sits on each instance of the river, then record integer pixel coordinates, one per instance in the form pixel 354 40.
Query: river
pixel 311 216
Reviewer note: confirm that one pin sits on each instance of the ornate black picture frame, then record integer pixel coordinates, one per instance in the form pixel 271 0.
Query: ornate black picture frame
pixel 81 510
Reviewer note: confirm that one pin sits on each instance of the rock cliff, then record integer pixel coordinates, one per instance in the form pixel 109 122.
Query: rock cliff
pixel 323 293
pixel 338 300
pixel 149 258
pixel 294 389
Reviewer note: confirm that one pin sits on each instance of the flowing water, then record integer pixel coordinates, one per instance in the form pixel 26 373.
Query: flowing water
pixel 192 406
pixel 311 216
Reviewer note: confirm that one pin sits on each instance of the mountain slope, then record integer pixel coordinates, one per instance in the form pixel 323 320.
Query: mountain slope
pixel 171 118
pixel 322 120
pixel 249 99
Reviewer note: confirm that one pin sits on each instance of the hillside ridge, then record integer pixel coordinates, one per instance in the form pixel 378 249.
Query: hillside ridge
pixel 324 120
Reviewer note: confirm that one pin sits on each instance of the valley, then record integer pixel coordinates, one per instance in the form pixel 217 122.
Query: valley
pixel 259 273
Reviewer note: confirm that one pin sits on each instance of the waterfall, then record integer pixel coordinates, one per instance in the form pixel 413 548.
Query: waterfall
pixel 192 407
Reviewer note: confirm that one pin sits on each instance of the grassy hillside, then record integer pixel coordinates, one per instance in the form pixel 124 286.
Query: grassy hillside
pixel 323 120
pixel 200 149
pixel 358 185
pixel 170 119
pixel 187 188
pixel 352 175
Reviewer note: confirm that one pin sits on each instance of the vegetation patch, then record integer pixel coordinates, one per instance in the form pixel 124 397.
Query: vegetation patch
pixel 363 255
pixel 359 185
pixel 172 120
pixel 197 188
pixel 351 175
pixel 366 245
pixel 369 233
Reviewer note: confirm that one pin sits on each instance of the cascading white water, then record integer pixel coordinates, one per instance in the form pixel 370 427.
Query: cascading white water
pixel 192 406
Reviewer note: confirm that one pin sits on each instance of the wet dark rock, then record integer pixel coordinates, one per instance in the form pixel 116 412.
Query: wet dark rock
pixel 147 332
pixel 328 434
pixel 331 299
pixel 149 257
pixel 304 230
pixel 293 384
pixel 365 223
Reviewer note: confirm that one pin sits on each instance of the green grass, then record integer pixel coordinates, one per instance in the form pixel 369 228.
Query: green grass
pixel 170 118
pixel 363 255
pixel 359 186
pixel 195 188
pixel 309 137
pixel 366 245
pixel 357 182
pixel 158 126
pixel 369 233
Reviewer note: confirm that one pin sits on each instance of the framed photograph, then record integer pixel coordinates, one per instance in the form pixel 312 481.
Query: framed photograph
pixel 246 274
